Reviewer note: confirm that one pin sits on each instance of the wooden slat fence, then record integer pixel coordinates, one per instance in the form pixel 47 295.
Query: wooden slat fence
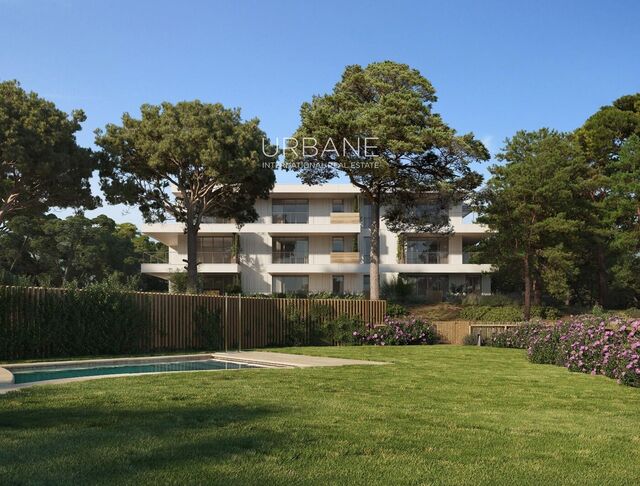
pixel 454 332
pixel 174 321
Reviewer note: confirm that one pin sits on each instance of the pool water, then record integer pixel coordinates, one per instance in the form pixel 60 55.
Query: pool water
pixel 67 372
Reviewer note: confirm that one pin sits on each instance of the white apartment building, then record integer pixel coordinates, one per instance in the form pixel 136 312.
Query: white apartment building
pixel 317 239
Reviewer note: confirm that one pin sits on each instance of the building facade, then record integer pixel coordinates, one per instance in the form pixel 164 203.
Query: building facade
pixel 317 239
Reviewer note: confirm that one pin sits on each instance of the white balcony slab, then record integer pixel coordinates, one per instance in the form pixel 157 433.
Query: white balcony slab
pixel 340 268
pixel 164 269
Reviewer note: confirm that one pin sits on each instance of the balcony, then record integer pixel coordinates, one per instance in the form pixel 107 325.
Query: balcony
pixel 289 257
pixel 290 217
pixel 221 256
pixel 344 218
pixel 430 257
pixel 345 257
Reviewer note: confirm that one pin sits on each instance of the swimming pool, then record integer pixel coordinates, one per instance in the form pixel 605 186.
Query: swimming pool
pixel 69 371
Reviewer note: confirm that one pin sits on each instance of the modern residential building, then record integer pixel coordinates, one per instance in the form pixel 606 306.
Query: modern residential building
pixel 317 239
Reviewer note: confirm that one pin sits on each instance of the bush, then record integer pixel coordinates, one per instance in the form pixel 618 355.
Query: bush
pixel 101 319
pixel 397 331
pixel 471 340
pixel 493 300
pixel 397 290
pixel 505 313
pixel 396 310
pixel 587 344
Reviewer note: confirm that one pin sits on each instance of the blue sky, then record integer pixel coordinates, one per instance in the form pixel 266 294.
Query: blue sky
pixel 497 66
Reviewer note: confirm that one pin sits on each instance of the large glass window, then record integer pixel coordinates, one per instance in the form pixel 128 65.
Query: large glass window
pixel 426 250
pixel 219 283
pixel 337 206
pixel 366 285
pixel 337 244
pixel 430 288
pixel 289 211
pixel 365 214
pixel 290 284
pixel 337 284
pixel 470 250
pixel 366 250
pixel 290 250
pixel 215 249
pixel 472 284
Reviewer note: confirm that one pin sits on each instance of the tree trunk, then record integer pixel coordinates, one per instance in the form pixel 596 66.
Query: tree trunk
pixel 374 254
pixel 527 288
pixel 602 277
pixel 537 291
pixel 192 257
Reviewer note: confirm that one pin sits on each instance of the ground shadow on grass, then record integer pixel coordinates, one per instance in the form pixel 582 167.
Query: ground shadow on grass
pixel 76 444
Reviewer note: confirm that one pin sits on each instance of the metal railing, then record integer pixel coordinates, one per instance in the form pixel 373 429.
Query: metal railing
pixel 470 256
pixel 414 256
pixel 290 217
pixel 222 256
pixel 155 257
pixel 288 257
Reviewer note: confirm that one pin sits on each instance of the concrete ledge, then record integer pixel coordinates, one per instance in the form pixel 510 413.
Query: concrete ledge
pixel 289 360
pixel 6 377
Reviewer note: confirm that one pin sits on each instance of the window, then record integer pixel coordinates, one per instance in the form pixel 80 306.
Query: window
pixel 365 214
pixel 430 288
pixel 219 283
pixel 472 284
pixel 366 285
pixel 366 250
pixel 428 250
pixel 337 206
pixel 337 285
pixel 289 211
pixel 290 284
pixel 337 244
pixel 290 250
pixel 470 250
pixel 215 249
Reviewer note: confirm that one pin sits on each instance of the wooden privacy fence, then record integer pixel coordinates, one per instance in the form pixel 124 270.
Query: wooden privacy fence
pixel 45 322
pixel 454 332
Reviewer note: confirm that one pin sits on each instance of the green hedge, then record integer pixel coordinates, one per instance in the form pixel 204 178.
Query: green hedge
pixel 507 313
pixel 97 320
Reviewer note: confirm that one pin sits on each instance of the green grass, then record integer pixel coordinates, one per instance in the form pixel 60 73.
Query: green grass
pixel 437 415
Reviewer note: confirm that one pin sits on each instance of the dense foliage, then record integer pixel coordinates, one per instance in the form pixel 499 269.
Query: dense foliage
pixel 413 151
pixel 52 252
pixel 101 319
pixel 609 347
pixel 214 160
pixel 397 331
pixel 41 165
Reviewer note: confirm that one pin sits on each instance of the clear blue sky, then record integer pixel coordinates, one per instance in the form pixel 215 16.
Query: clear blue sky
pixel 497 66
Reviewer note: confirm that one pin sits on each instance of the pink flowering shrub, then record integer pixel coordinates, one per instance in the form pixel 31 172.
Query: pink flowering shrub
pixel 587 344
pixel 397 331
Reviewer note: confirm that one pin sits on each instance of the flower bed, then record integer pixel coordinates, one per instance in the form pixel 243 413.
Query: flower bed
pixel 585 344
pixel 396 331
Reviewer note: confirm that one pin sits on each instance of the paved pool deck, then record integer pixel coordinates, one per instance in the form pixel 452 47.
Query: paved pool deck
pixel 267 358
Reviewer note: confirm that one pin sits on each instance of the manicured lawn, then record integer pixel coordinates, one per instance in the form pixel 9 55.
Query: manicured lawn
pixel 438 415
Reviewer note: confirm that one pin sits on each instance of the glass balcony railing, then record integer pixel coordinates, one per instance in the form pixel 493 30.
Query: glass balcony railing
pixel 221 256
pixel 412 256
pixel 289 257
pixel 290 217
pixel 470 256
pixel 162 257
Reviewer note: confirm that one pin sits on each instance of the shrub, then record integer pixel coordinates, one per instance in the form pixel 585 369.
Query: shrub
pixel 101 319
pixel 208 327
pixel 471 340
pixel 396 310
pixel 505 313
pixel 586 344
pixel 397 331
pixel 397 290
